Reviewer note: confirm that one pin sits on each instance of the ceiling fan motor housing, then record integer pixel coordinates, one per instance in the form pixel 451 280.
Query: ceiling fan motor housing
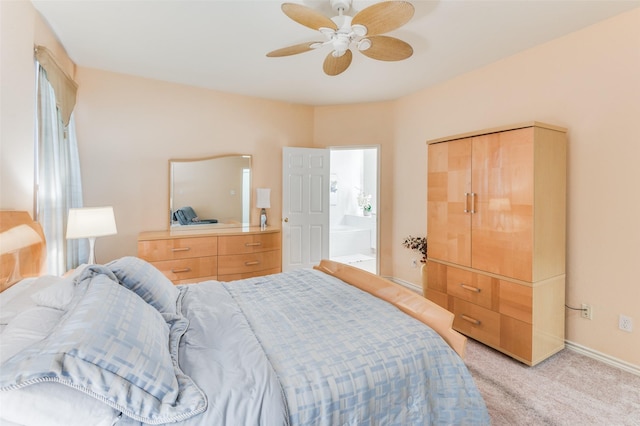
pixel 345 5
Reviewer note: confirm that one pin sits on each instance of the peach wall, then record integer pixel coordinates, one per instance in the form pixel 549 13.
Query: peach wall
pixel 16 110
pixel 129 127
pixel 373 124
pixel 589 82
pixel 21 27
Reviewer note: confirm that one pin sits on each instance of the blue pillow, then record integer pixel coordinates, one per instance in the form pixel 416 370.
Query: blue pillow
pixel 147 282
pixel 116 348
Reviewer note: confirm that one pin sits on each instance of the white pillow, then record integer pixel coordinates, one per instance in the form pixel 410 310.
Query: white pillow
pixel 60 292
pixel 27 328
pixel 17 298
pixel 56 405
pixel 56 296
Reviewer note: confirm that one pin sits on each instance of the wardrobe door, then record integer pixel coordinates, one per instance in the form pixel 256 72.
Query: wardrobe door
pixel 449 201
pixel 503 182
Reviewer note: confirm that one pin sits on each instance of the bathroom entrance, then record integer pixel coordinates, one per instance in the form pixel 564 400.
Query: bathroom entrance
pixel 353 199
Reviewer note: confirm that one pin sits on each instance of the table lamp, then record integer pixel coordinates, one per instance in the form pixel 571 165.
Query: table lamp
pixel 91 222
pixel 263 201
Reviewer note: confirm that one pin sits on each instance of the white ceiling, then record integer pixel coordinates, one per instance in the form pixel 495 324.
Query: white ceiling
pixel 222 44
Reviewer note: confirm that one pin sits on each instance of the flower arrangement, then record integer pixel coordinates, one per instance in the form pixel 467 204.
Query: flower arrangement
pixel 418 244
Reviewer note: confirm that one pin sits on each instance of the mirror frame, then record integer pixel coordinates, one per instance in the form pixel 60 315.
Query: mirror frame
pixel 230 222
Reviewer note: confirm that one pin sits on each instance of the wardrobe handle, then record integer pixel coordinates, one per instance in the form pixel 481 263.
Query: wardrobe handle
pixel 473 203
pixel 471 320
pixel 466 202
pixel 178 271
pixel 470 288
pixel 255 262
pixel 252 244
pixel 181 249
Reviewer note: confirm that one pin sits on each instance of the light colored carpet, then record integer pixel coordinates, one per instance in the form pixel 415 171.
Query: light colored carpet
pixel 566 389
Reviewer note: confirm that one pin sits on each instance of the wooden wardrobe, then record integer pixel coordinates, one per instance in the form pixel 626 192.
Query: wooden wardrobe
pixel 496 209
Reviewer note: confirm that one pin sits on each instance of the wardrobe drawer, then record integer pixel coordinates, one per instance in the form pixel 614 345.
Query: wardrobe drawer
pixel 472 287
pixel 193 270
pixel 516 301
pixel 475 321
pixel 248 263
pixel 241 244
pixel 177 248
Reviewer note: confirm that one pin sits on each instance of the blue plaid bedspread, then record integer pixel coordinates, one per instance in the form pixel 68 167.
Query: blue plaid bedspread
pixel 345 357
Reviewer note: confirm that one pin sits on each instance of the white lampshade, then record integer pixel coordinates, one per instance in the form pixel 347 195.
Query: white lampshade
pixel 91 222
pixel 263 198
pixel 17 238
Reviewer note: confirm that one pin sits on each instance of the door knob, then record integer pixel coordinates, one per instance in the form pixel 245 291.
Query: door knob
pixel 285 220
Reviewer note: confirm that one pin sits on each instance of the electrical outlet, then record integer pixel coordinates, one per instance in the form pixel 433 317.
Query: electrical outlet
pixel 625 323
pixel 586 311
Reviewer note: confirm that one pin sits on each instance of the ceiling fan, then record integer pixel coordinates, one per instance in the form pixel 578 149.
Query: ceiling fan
pixel 363 31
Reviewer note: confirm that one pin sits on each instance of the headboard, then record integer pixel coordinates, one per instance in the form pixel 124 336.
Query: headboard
pixel 22 247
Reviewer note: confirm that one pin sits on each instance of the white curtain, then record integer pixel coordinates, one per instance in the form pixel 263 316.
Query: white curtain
pixel 58 183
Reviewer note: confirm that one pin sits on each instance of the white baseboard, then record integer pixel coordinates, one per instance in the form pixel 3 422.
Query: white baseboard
pixel 407 284
pixel 607 359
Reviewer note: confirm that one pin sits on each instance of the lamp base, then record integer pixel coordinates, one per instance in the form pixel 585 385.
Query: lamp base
pixel 92 252
pixel 263 219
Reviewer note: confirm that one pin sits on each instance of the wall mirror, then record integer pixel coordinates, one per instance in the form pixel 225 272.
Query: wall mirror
pixel 210 192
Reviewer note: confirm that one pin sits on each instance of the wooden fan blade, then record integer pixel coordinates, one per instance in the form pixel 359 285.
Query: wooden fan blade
pixel 335 66
pixel 385 48
pixel 307 16
pixel 292 50
pixel 384 17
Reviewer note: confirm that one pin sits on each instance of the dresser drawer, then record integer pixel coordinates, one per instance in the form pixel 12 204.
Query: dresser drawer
pixel 193 269
pixel 243 275
pixel 475 321
pixel 248 263
pixel 177 248
pixel 241 244
pixel 472 287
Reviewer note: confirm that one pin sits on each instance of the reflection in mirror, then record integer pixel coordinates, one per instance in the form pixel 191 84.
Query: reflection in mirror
pixel 214 191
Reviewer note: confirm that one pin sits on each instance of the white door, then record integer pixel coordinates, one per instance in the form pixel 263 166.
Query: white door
pixel 305 207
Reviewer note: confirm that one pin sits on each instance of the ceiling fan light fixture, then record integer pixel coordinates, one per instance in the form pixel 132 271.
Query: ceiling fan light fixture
pixel 364 44
pixel 359 30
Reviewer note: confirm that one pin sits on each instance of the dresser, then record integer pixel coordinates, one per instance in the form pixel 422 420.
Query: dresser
pixel 496 208
pixel 226 254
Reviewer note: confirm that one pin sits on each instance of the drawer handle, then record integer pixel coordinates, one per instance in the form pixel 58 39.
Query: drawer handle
pixel 252 244
pixel 470 288
pixel 471 320
pixel 177 271
pixel 181 249
pixel 255 262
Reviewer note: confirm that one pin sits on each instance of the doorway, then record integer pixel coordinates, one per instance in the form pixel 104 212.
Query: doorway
pixel 353 211
pixel 330 207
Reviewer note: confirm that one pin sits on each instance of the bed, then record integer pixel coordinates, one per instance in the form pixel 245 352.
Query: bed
pixel 120 344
